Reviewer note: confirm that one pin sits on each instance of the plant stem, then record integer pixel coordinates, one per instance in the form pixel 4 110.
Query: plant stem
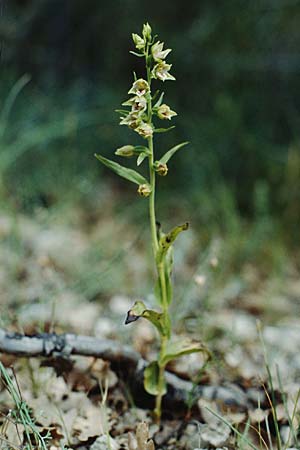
pixel 161 379
pixel 152 198
pixel 155 245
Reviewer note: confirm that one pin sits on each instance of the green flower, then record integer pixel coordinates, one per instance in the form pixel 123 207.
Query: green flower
pixel 158 53
pixel 126 150
pixel 144 190
pixel 144 129
pixel 161 71
pixel 147 32
pixel 139 42
pixel 165 112
pixel 132 120
pixel 140 87
pixel 138 104
pixel 161 168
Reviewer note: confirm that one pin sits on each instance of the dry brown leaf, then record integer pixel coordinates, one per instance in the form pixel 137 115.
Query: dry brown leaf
pixel 89 423
pixel 140 441
pixel 105 442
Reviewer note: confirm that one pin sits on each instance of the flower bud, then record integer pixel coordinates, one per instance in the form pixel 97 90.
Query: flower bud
pixel 144 190
pixel 145 130
pixel 165 112
pixel 160 168
pixel 126 150
pixel 139 42
pixel 147 32
pixel 132 120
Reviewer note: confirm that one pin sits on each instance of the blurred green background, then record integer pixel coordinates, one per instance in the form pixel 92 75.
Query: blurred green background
pixel 66 67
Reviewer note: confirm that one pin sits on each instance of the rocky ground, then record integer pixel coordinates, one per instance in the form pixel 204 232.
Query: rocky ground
pixel 59 273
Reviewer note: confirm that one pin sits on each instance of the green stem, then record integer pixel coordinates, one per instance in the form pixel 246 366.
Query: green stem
pixel 152 198
pixel 155 245
pixel 161 379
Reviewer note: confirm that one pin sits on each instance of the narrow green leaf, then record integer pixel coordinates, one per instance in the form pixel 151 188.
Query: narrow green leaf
pixel 163 130
pixel 167 262
pixel 155 95
pixel 10 100
pixel 141 158
pixel 171 152
pixel 151 376
pixel 124 172
pixel 180 347
pixel 168 265
pixel 139 55
pixel 159 101
pixel 122 111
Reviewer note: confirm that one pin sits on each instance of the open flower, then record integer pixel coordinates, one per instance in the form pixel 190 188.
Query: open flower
pixel 165 112
pixel 140 87
pixel 161 71
pixel 158 53
pixel 132 120
pixel 138 104
pixel 145 130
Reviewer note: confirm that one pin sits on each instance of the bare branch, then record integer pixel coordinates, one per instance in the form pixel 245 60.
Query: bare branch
pixel 55 345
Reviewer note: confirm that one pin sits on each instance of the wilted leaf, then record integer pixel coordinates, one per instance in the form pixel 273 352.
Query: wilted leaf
pixel 151 374
pixel 159 320
pixel 89 423
pixel 105 442
pixel 140 441
pixel 123 172
pixel 167 240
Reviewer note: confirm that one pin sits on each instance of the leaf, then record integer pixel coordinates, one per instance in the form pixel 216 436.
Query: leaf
pixel 10 100
pixel 163 130
pixel 141 440
pixel 151 374
pixel 167 240
pixel 140 55
pixel 167 266
pixel 159 320
pixel 141 158
pixel 159 101
pixel 155 95
pixel 122 111
pixel 182 347
pixel 171 152
pixel 168 263
pixel 124 172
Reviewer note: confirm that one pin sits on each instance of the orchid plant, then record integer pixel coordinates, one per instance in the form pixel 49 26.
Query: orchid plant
pixel 140 114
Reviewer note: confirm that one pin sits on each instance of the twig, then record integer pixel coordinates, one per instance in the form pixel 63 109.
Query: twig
pixel 121 356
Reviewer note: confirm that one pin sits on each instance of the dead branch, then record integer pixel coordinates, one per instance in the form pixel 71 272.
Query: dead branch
pixel 64 345
pixel 55 345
